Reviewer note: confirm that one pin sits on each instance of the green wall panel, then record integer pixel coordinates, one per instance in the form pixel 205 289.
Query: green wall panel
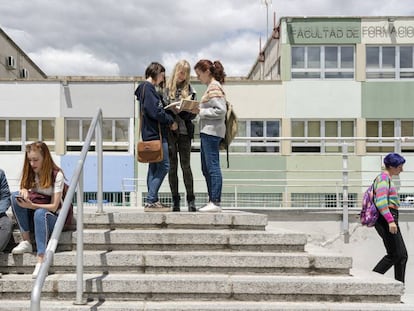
pixel 324 31
pixel 384 100
pixel 254 170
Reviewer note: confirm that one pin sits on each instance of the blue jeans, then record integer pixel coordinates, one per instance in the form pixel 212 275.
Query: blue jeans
pixel 156 174
pixel 43 220
pixel 210 166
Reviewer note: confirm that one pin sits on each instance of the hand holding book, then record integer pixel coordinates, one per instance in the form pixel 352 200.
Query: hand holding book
pixel 184 105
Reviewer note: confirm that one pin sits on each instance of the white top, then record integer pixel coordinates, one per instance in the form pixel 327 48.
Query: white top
pixel 57 187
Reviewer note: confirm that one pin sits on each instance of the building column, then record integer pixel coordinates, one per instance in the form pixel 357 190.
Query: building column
pixel 285 145
pixel 60 137
pixel 361 131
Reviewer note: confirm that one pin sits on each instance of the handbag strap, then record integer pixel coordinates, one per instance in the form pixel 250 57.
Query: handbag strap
pixel 140 118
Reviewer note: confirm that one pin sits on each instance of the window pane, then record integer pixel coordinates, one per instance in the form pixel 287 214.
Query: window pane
pixel 107 130
pixel 85 128
pixel 372 57
pixel 48 130
pixel 272 129
pixel 241 128
pixel 298 128
pixel 407 128
pixel 339 75
pixel 72 130
pixel 3 130
pixel 347 57
pixel 314 129
pixel 387 128
pixel 407 75
pixel 406 57
pixel 331 129
pixel 388 57
pixel 372 129
pixel 314 57
pixel 347 129
pixel 331 57
pixel 306 75
pixel 256 128
pixel 298 57
pixel 15 130
pixel 32 130
pixel 121 130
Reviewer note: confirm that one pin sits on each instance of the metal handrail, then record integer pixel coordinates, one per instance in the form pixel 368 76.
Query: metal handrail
pixel 77 181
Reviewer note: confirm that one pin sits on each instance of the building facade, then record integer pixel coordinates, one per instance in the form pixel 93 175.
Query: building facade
pixel 326 99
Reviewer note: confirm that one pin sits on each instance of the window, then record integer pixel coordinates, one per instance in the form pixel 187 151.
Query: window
pixel 16 133
pixel 252 136
pixel 389 62
pixel 314 135
pixel 264 129
pixel 322 62
pixel 380 134
pixel 115 134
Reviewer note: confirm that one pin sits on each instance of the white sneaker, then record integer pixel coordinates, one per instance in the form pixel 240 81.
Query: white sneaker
pixel 36 270
pixel 210 208
pixel 23 247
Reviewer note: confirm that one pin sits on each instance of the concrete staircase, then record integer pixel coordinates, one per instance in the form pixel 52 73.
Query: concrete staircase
pixel 192 261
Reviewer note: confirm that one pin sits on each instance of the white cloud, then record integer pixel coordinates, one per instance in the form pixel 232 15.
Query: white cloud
pixel 74 62
pixel 123 37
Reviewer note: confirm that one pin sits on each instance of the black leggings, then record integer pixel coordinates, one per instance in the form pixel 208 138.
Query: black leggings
pixel 394 245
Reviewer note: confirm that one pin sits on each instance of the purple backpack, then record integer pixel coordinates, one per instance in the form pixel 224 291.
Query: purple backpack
pixel 369 212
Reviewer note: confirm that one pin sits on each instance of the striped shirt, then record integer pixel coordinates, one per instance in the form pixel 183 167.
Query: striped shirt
pixel 386 196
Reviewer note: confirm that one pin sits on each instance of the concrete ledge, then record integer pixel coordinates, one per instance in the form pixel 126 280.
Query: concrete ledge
pixel 214 287
pixel 184 262
pixel 190 239
pixel 67 305
pixel 130 218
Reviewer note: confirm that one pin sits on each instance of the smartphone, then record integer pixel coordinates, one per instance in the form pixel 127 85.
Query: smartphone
pixel 20 198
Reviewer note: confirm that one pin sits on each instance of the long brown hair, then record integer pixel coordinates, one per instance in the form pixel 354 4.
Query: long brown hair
pixel 48 166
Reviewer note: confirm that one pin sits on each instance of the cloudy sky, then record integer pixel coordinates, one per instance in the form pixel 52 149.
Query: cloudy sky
pixel 121 37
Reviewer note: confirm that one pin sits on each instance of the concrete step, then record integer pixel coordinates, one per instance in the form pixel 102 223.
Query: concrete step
pixel 192 239
pixel 211 287
pixel 185 262
pixel 23 305
pixel 138 219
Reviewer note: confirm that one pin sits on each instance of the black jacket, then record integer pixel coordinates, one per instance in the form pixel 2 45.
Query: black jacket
pixel 152 112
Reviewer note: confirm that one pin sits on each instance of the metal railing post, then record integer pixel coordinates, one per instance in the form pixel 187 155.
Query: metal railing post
pixel 79 243
pixel 98 136
pixel 345 212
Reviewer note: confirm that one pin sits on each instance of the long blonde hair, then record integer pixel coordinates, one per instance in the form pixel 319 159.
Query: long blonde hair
pixel 182 65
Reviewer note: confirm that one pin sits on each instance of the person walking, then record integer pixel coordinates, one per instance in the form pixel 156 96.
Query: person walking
pixel 388 202
pixel 212 129
pixel 154 119
pixel 179 141
pixel 40 175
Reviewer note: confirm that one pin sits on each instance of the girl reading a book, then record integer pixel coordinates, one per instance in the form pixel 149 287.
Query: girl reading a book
pixel 179 140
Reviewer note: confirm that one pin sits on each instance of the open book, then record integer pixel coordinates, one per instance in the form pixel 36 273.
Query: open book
pixel 183 105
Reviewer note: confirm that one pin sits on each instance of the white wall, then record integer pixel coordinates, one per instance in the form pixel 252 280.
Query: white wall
pixel 323 99
pixel 30 99
pixel 257 101
pixel 82 99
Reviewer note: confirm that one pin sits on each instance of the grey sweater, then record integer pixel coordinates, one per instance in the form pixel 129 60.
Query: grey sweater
pixel 213 111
